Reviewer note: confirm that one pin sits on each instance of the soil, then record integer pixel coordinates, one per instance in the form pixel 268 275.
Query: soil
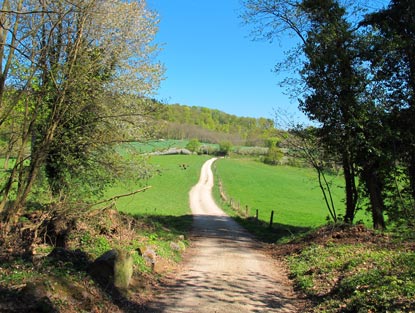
pixel 226 270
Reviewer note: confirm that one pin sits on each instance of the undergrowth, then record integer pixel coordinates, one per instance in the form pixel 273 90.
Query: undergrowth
pixel 370 276
pixel 47 278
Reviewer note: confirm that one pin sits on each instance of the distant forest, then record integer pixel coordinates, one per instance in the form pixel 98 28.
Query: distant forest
pixel 210 125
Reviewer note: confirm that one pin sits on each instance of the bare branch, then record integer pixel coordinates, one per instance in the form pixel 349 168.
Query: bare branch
pixel 119 196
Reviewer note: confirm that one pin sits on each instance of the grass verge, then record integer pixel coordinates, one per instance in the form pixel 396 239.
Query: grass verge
pixel 353 269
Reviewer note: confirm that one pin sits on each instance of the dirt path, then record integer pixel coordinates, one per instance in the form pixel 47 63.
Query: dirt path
pixel 226 270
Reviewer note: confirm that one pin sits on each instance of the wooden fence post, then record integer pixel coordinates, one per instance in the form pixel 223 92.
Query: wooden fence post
pixel 256 215
pixel 271 220
pixel 246 210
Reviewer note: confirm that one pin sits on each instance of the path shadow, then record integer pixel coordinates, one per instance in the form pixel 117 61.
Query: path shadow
pixel 278 232
pixel 177 225
pixel 201 225
pixel 212 288
pixel 232 290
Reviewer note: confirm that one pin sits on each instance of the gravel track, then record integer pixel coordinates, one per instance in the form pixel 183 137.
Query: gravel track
pixel 226 269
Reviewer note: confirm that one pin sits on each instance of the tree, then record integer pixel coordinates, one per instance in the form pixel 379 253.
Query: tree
pixel 392 56
pixel 81 72
pixel 305 144
pixel 335 78
pixel 333 86
pixel 274 154
pixel 224 148
pixel 338 99
pixel 193 145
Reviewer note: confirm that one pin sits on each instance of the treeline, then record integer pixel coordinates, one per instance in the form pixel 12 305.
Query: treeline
pixel 211 125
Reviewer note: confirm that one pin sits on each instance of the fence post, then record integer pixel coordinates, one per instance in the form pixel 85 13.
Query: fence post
pixel 271 219
pixel 246 210
pixel 256 215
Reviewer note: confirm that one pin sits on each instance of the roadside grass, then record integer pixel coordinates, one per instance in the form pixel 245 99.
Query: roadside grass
pixel 356 277
pixel 174 175
pixel 292 193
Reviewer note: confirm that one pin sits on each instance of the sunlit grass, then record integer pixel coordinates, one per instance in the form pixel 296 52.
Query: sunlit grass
pixel 169 193
pixel 292 193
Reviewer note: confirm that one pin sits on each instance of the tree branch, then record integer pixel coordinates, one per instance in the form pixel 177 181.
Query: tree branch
pixel 119 196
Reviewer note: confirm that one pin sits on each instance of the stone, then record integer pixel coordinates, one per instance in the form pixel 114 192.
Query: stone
pixel 114 267
pixel 123 269
pixel 149 256
pixel 102 269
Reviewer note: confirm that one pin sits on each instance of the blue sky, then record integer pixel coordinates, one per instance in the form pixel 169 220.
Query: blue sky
pixel 212 62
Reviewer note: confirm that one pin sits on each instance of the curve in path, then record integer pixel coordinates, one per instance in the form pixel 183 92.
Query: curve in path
pixel 226 270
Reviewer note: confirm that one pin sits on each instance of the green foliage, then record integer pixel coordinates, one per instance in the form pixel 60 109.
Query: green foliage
pixel 224 148
pixel 79 94
pixel 18 272
pixel 210 125
pixel 193 145
pixel 356 278
pixel 94 245
pixel 274 156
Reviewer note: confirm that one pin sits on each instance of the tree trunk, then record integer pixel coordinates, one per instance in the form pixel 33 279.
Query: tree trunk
pixel 374 188
pixel 411 174
pixel 351 198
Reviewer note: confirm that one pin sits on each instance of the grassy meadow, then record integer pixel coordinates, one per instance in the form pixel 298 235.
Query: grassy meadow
pixel 292 193
pixel 174 175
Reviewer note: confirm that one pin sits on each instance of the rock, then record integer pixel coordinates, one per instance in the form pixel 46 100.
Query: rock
pixel 114 267
pixel 149 256
pixel 123 269
pixel 177 246
pixel 102 269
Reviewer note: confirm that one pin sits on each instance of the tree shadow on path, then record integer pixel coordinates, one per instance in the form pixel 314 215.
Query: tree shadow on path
pixel 209 286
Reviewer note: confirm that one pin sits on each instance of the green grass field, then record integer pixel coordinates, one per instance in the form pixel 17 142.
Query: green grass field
pixel 292 193
pixel 170 187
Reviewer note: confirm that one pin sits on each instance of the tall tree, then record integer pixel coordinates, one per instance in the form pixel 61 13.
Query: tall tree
pixel 392 56
pixel 333 86
pixel 81 70
pixel 335 78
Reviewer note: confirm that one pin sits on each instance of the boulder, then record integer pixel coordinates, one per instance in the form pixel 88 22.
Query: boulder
pixel 113 268
pixel 123 269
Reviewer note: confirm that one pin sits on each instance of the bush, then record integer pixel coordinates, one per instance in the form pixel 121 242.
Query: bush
pixel 224 148
pixel 193 145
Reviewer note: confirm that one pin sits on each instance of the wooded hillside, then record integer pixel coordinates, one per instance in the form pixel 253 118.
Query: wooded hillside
pixel 211 125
